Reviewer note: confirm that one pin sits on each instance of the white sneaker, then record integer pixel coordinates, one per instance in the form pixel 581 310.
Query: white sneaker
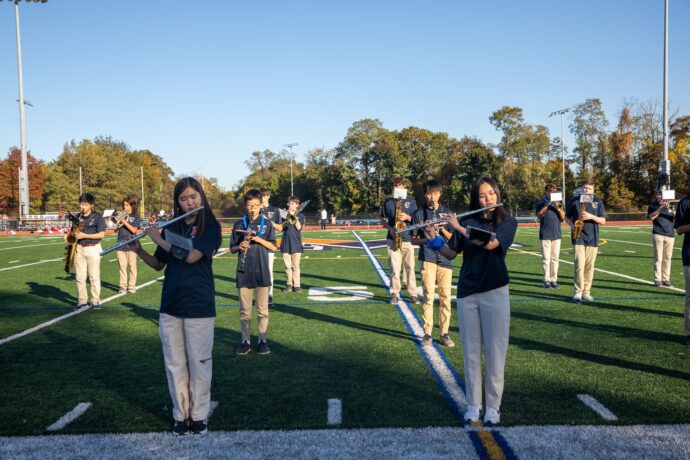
pixel 577 297
pixel 492 417
pixel 587 297
pixel 472 414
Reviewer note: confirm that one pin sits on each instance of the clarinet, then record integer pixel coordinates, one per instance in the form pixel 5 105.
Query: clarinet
pixel 248 234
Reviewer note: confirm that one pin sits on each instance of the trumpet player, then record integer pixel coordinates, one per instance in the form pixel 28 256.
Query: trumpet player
pixel 663 238
pixel 87 259
pixel 589 216
pixel 128 226
pixel 291 245
pixel 550 214
pixel 396 212
pixel 272 213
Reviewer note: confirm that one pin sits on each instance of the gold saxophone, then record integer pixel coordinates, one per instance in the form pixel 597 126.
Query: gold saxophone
pixel 399 224
pixel 579 223
pixel 71 240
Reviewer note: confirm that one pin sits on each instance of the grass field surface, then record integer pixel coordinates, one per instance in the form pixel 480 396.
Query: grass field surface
pixel 340 339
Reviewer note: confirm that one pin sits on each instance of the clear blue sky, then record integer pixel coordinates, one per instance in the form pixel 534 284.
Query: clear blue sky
pixel 205 83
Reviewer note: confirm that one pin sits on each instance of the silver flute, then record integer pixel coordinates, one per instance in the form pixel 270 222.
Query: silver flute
pixel 141 235
pixel 440 219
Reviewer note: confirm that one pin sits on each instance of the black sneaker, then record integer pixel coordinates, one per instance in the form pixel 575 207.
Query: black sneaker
pixel 180 428
pixel 244 348
pixel 198 426
pixel 554 284
pixel 446 341
pixel 95 304
pixel 547 285
pixel 667 284
pixel 297 289
pixel 79 306
pixel 286 289
pixel 270 300
pixel 263 348
pixel 415 300
pixel 657 283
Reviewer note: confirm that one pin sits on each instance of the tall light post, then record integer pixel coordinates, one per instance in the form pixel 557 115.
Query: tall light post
pixel 561 113
pixel 666 164
pixel 24 172
pixel 292 157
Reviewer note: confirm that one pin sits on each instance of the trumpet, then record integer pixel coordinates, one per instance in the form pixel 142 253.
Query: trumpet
pixel 117 220
pixel 292 218
pixel 440 219
pixel 141 235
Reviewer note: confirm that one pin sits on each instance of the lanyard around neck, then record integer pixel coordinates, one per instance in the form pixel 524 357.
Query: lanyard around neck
pixel 262 223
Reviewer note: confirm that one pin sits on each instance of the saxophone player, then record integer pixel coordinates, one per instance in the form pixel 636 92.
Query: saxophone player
pixel 550 214
pixel 588 216
pixel 397 211
pixel 87 259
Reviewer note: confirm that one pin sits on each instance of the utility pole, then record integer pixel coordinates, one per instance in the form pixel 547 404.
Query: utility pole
pixel 292 157
pixel 561 113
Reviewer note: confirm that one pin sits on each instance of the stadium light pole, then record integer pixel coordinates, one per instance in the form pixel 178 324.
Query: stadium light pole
pixel 561 113
pixel 292 157
pixel 24 176
pixel 666 164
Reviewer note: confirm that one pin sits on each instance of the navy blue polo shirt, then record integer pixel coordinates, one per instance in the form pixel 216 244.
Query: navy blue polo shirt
pixel 256 270
pixel 550 222
pixel 291 241
pixel 590 230
pixel 425 254
pixel 663 224
pixel 408 206
pixel 483 270
pixel 188 289
pixel 272 213
pixel 124 234
pixel 91 225
pixel 683 218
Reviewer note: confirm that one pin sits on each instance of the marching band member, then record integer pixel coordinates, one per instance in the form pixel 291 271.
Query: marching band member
pixel 436 269
pixel 87 257
pixel 273 214
pixel 253 268
pixel 188 304
pixel 682 225
pixel 126 257
pixel 483 297
pixel 550 216
pixel 663 239
pixel 291 245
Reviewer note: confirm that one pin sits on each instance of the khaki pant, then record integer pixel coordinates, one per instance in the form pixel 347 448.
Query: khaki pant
pixel 550 251
pixel 291 262
pixel 433 275
pixel 663 252
pixel 686 272
pixel 485 320
pixel 87 259
pixel 187 351
pixel 246 295
pixel 404 257
pixel 127 260
pixel 584 267
pixel 271 259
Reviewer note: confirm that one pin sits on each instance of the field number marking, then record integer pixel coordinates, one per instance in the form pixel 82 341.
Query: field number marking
pixel 339 293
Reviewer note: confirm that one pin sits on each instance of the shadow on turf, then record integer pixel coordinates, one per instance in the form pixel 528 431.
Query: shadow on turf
pixel 45 291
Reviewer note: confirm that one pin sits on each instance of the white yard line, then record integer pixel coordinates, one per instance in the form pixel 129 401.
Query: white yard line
pixel 28 265
pixel 335 412
pixel 30 246
pixel 69 417
pixel 639 244
pixel 639 280
pixel 597 407
pixel 438 364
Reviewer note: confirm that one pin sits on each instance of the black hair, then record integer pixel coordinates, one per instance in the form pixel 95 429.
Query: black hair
pixel 252 194
pixel 498 214
pixel 432 185
pixel 87 198
pixel 203 218
pixel 132 202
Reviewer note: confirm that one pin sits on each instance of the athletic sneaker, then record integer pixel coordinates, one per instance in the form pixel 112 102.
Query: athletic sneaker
pixel 95 304
pixel 270 300
pixel 492 417
pixel 80 306
pixel 198 426
pixel 395 299
pixel 657 283
pixel 263 348
pixel 287 289
pixel 554 284
pixel 427 340
pixel 446 341
pixel 577 297
pixel 667 284
pixel 180 428
pixel 472 413
pixel 132 290
pixel 547 285
pixel 297 289
pixel 415 300
pixel 587 297
pixel 122 291
pixel 244 348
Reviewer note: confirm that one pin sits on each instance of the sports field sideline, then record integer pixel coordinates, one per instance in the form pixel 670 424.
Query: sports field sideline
pixel 605 379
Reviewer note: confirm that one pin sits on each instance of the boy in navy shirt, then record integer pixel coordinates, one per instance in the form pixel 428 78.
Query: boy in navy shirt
pixel 272 213
pixel 550 215
pixel 436 269
pixel 87 258
pixel 253 237
pixel 663 239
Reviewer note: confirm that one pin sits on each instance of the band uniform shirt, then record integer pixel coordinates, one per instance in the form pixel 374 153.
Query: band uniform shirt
pixel 272 213
pixel 92 224
pixel 188 289
pixel 256 270
pixel 550 223
pixel 291 241
pixel 124 234
pixel 425 254
pixel 663 224
pixel 483 270
pixel 683 218
pixel 408 206
pixel 590 229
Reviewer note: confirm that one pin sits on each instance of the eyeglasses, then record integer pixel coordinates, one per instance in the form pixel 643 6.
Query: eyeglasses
pixel 253 206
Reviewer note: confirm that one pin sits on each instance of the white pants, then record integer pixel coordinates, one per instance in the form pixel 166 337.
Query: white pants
pixel 485 320
pixel 271 258
pixel 403 257
pixel 187 351
pixel 88 259
pixel 550 251
pixel 663 252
